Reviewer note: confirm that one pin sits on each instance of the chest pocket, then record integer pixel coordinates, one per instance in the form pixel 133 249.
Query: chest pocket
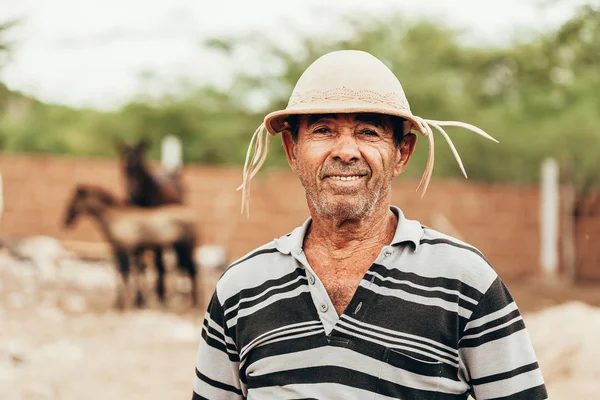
pixel 404 376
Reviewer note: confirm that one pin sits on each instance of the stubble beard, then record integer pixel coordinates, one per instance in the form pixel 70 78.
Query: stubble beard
pixel 359 206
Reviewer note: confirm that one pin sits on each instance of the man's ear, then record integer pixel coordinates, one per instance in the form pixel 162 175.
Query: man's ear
pixel 407 147
pixel 290 148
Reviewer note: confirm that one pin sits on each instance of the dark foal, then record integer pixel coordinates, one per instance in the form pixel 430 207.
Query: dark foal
pixel 130 229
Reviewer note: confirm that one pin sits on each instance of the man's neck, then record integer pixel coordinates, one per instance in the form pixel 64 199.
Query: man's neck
pixel 342 238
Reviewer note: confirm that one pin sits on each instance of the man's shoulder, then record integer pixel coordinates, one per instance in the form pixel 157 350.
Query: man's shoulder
pixel 252 268
pixel 457 259
pixel 446 244
pixel 251 258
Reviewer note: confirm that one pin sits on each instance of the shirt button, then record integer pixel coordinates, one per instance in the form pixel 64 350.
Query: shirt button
pixel 323 307
pixel 387 253
pixel 311 279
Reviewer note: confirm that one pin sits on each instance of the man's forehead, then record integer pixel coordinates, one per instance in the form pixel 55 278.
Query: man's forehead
pixel 373 118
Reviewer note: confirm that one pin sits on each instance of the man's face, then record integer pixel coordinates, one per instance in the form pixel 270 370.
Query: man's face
pixel 346 162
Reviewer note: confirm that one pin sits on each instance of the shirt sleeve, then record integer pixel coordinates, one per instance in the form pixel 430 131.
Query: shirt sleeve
pixel 496 351
pixel 217 363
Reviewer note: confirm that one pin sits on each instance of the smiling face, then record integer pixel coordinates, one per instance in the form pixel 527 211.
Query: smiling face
pixel 346 162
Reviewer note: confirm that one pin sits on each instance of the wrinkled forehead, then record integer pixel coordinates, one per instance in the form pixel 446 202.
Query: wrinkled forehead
pixel 380 120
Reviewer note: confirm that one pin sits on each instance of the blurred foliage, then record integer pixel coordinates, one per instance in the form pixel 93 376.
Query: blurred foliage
pixel 539 98
pixel 5 45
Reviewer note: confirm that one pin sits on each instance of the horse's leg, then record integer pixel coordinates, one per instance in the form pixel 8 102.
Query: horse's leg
pixel 185 256
pixel 160 270
pixel 141 277
pixel 122 259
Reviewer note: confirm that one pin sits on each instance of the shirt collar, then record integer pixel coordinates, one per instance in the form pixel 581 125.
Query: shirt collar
pixel 406 231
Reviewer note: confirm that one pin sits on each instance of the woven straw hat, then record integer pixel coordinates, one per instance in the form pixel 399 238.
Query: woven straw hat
pixel 347 81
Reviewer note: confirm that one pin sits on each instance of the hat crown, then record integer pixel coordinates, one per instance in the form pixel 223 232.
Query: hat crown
pixel 349 75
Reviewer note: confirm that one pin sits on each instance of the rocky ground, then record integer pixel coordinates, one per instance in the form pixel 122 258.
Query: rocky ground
pixel 60 338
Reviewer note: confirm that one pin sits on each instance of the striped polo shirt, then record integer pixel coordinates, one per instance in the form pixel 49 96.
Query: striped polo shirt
pixel 430 319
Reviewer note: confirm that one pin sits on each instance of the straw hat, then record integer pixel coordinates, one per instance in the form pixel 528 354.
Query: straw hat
pixel 347 81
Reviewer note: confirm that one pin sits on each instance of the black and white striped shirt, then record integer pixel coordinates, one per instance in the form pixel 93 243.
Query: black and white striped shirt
pixel 429 320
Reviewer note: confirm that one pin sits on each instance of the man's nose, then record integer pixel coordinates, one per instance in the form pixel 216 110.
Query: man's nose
pixel 346 148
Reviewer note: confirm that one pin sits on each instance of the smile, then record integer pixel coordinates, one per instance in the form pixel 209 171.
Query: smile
pixel 345 178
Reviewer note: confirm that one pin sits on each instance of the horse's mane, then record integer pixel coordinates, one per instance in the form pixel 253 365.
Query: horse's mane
pixel 100 193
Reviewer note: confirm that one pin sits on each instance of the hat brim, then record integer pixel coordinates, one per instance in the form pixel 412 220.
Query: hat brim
pixel 275 121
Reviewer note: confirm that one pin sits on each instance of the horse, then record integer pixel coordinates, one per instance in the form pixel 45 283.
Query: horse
pixel 131 229
pixel 146 188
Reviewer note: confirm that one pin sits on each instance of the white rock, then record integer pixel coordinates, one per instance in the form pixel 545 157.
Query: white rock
pixel 63 349
pixel 16 300
pixel 211 256
pixel 75 303
pixel 7 372
pixel 565 339
pixel 51 313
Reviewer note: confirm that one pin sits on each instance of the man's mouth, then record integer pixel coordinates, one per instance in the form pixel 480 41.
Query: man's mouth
pixel 345 178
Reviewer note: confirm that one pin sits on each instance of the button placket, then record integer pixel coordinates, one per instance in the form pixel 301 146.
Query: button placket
pixel 319 295
pixel 387 251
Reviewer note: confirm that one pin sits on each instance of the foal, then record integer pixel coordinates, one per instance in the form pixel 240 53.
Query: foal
pixel 129 230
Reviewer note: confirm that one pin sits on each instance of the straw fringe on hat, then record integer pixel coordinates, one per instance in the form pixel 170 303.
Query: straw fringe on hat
pixel 347 81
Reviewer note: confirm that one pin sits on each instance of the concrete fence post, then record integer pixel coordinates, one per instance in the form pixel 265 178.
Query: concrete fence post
pixel 549 216
pixel 171 153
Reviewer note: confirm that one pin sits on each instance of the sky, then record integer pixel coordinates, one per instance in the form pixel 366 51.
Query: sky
pixel 90 53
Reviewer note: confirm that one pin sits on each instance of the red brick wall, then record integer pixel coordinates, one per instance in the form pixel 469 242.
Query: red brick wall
pixel 588 248
pixel 501 220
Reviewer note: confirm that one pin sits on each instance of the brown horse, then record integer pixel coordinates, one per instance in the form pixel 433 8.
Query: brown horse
pixel 130 229
pixel 146 188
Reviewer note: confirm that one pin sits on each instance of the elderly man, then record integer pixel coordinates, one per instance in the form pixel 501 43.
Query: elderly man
pixel 360 302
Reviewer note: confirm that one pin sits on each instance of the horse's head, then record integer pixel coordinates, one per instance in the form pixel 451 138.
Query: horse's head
pixel 133 156
pixel 87 200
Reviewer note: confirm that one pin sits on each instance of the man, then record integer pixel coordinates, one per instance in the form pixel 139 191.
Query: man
pixel 360 302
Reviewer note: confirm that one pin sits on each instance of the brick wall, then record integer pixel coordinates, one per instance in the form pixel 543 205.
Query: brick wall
pixel 501 220
pixel 587 248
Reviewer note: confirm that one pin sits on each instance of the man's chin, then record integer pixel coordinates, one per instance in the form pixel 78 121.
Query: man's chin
pixel 344 209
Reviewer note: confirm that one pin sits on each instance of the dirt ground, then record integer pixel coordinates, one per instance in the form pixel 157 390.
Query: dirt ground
pixel 61 339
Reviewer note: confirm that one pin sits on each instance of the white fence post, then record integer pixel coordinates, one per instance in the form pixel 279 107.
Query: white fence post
pixel 549 214
pixel 171 153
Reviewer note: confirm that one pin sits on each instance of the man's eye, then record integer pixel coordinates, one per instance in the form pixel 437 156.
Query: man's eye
pixel 369 132
pixel 322 130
